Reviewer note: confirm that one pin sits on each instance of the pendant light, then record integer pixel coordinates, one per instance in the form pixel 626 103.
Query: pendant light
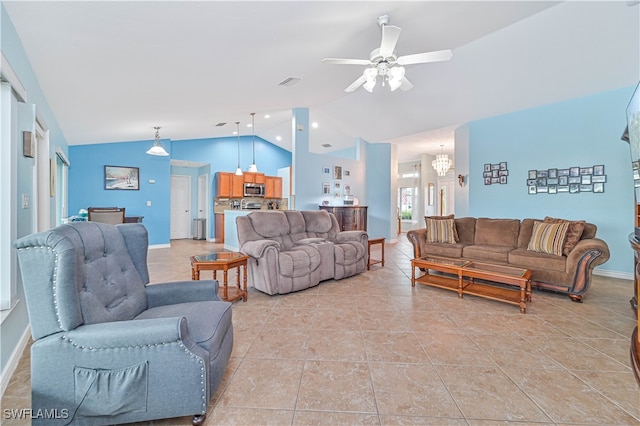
pixel 442 163
pixel 238 170
pixel 157 148
pixel 253 168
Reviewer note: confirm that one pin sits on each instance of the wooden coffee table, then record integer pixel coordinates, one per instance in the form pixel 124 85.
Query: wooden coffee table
pixel 481 279
pixel 222 260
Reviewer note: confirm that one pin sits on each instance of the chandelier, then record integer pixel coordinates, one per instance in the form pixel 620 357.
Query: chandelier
pixel 442 163
pixel 157 148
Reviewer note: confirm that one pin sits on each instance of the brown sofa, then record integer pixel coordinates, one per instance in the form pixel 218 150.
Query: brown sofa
pixel 505 241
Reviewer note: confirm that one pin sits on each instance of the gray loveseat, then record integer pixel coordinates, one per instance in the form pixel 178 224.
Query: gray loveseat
pixel 506 241
pixel 109 349
pixel 294 250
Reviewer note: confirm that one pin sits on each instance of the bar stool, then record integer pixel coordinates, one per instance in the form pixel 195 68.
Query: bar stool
pixel 375 261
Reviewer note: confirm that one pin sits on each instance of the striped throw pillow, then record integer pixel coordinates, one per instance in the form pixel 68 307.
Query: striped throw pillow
pixel 440 231
pixel 548 237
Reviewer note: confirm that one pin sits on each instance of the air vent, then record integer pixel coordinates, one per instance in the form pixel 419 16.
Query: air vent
pixel 220 124
pixel 289 81
pixel 326 145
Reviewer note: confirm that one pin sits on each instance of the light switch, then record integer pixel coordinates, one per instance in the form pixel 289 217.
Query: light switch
pixel 152 181
pixel 25 201
pixel 148 203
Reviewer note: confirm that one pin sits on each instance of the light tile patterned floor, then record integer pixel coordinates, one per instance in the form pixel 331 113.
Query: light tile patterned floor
pixel 371 350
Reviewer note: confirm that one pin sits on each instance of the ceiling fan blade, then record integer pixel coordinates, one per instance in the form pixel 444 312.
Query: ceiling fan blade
pixel 405 84
pixel 390 35
pixel 353 86
pixel 338 61
pixel 419 58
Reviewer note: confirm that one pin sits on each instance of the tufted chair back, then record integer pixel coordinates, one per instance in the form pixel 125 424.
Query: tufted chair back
pixel 86 269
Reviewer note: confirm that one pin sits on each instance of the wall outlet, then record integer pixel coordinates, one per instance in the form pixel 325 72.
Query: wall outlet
pixel 25 201
pixel 148 203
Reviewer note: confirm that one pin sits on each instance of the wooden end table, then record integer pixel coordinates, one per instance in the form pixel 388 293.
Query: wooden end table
pixel 373 261
pixel 223 260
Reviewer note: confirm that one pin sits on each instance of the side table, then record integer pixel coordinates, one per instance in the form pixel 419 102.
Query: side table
pixel 373 261
pixel 223 260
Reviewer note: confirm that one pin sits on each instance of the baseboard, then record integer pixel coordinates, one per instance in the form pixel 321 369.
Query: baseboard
pixel 14 359
pixel 156 246
pixel 614 274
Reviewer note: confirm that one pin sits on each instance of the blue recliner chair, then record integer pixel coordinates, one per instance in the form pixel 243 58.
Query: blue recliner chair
pixel 108 348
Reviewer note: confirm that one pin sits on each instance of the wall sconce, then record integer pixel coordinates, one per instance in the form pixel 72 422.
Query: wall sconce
pixel 461 180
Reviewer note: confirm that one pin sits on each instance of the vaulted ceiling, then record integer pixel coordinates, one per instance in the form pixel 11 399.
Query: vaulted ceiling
pixel 111 71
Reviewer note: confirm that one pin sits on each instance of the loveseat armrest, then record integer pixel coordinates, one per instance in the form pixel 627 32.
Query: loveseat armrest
pixel 181 292
pixel 256 248
pixel 307 241
pixel 417 237
pixel 345 236
pixel 585 246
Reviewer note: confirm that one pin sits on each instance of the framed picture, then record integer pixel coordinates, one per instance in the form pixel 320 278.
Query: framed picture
pixel 598 171
pixel 533 174
pixel 542 189
pixel 563 180
pixel 598 179
pixel 563 188
pixel 487 174
pixel 574 171
pixel 531 182
pixel 532 189
pixel 326 170
pixel 563 172
pixel 586 170
pixel 553 189
pixel 574 188
pixel 574 179
pixel 503 172
pixel 487 167
pixel 336 185
pixel 495 180
pixel 119 177
pixel 494 173
pixel 586 188
pixel 337 172
pixel 347 190
pixel 585 180
pixel 635 165
pixel 503 180
pixel 487 181
pixel 503 165
pixel 598 187
pixel 28 144
pixel 495 167
pixel 541 181
pixel 552 181
pixel 543 173
pixel 347 173
pixel 326 188
pixel 553 173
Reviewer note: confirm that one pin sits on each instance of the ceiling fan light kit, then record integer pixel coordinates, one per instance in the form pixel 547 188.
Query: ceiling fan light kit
pixel 384 62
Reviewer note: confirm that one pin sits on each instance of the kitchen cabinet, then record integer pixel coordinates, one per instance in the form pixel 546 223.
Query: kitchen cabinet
pixel 350 218
pixel 237 186
pixel 251 177
pixel 273 187
pixel 223 184
pixel 219 222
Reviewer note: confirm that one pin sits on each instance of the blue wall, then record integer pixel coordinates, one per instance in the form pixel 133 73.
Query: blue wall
pixel 86 174
pixel 581 132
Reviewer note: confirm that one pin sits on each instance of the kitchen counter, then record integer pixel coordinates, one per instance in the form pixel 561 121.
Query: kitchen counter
pixel 230 230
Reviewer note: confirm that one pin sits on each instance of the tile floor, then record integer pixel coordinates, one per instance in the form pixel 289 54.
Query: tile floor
pixel 372 350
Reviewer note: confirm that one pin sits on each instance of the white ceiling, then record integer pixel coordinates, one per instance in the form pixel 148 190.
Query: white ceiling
pixel 113 70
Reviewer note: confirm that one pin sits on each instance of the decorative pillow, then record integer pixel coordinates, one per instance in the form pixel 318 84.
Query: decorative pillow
pixel 574 233
pixel 548 237
pixel 441 231
pixel 449 217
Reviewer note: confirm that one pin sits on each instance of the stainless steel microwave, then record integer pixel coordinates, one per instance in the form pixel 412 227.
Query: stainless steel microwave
pixel 254 190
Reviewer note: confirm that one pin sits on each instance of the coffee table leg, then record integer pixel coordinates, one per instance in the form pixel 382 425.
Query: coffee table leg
pixel 225 295
pixel 529 291
pixel 460 284
pixel 523 298
pixel 244 293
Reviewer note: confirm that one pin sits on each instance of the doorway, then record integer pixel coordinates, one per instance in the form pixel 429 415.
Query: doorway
pixel 180 207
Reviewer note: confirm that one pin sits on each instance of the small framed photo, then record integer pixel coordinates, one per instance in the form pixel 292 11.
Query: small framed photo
pixel 503 172
pixel 636 174
pixel 487 167
pixel 543 173
pixel 326 188
pixel 486 174
pixel 563 188
pixel 336 185
pixel 495 167
pixel 586 170
pixel 553 173
pixel 347 173
pixel 336 194
pixel 531 182
pixel 553 189
pixel 552 181
pixel 326 170
pixel 495 180
pixel 585 180
pixel 337 172
pixel 503 165
pixel 541 181
pixel 586 188
pixel 532 189
pixel 574 179
pixel 118 177
pixel 494 173
pixel 598 179
pixel 563 180
pixel 503 179
pixel 574 171
pixel 635 165
pixel 543 189
pixel 347 190
pixel 598 170
pixel 563 172
pixel 574 188
pixel 487 180
pixel 533 174
pixel 598 187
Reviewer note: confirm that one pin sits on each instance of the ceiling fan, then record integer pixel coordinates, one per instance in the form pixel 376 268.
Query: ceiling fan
pixel 383 61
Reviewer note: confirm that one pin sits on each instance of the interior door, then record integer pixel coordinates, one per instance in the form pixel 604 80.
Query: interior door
pixel 180 207
pixel 203 195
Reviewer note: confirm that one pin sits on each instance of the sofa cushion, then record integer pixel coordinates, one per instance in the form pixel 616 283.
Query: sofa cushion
pixel 548 237
pixel 318 221
pixel 491 253
pixel 497 232
pixel 270 224
pixel 442 249
pixel 441 231
pixel 536 261
pixel 299 261
pixel 574 233
pixel 452 217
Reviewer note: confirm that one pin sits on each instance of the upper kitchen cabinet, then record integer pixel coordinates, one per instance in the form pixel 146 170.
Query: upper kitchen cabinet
pixel 273 187
pixel 250 177
pixel 223 184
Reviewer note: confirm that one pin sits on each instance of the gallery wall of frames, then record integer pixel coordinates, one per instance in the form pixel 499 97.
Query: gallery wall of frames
pixel 572 180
